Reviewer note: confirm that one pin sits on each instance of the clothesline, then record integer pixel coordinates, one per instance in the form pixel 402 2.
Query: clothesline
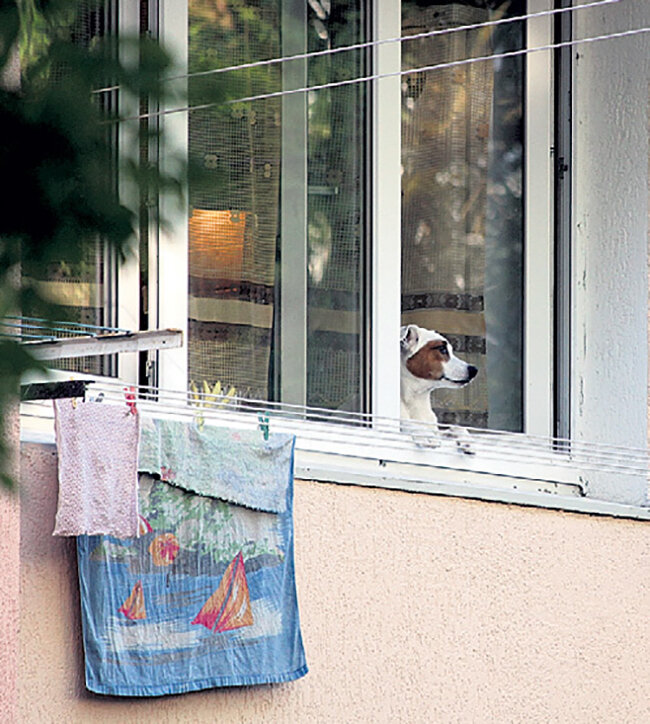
pixel 342 426
pixel 394 74
pixel 384 41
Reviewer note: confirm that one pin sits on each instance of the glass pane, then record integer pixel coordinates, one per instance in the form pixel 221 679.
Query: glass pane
pixel 336 224
pixel 462 202
pixel 235 230
pixel 234 208
pixel 82 289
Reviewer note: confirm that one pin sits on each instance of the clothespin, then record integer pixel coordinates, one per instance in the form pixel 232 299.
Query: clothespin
pixel 196 400
pixel 264 425
pixel 73 400
pixel 129 395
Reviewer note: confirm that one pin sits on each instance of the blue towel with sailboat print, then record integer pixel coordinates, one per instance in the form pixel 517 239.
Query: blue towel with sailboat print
pixel 205 595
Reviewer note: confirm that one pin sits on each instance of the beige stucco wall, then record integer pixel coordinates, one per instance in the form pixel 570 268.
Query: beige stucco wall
pixel 9 572
pixel 414 608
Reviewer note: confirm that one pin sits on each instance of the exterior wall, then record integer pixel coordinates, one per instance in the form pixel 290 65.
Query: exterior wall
pixel 9 573
pixel 609 381
pixel 414 608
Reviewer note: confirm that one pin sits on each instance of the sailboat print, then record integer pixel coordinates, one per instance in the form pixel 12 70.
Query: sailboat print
pixel 133 608
pixel 229 607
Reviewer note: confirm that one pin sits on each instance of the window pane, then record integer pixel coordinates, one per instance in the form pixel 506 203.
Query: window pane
pixel 462 205
pixel 336 224
pixel 237 237
pixel 82 286
pixel 234 209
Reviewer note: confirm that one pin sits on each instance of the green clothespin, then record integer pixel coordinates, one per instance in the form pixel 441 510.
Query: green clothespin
pixel 264 424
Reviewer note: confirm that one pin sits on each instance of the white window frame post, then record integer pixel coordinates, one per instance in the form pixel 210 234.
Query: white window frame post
pixel 173 261
pixel 538 225
pixel 387 210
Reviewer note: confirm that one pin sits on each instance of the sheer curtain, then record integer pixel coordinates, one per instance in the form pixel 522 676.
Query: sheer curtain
pixel 235 227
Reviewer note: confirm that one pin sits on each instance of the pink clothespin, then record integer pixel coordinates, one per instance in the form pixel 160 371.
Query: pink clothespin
pixel 129 395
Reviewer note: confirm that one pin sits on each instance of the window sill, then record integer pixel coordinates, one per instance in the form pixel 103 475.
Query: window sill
pixel 365 460
pixel 509 489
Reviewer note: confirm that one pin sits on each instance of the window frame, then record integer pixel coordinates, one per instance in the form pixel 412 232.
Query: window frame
pixel 374 465
pixel 169 250
pixel 385 224
pixel 385 194
pixel 538 219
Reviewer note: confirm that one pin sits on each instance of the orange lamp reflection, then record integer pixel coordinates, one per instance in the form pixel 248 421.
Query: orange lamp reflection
pixel 216 243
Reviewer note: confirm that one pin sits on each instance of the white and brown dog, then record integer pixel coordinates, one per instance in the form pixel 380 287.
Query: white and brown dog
pixel 428 363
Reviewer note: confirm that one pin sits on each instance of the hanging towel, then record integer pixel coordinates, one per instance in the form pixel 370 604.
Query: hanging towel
pixel 205 596
pixel 97 447
pixel 238 466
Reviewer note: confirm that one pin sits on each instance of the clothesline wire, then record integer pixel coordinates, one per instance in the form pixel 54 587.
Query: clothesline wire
pixel 399 441
pixel 488 452
pixel 393 74
pixel 191 397
pixel 396 442
pixel 210 405
pixel 384 41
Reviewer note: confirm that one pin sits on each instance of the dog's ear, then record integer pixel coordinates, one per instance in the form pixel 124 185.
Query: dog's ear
pixel 408 338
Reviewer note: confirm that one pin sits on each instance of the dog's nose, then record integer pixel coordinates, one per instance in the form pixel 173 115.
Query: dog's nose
pixel 472 371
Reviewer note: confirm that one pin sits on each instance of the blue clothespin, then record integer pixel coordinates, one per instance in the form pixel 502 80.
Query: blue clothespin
pixel 264 424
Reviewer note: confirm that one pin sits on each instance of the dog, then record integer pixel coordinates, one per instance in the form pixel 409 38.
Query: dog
pixel 428 363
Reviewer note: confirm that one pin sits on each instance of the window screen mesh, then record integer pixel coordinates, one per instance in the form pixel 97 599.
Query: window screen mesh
pixel 462 202
pixel 236 234
pixel 336 219
pixel 234 211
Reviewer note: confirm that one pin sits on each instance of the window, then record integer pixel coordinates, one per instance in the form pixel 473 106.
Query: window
pixel 82 288
pixel 462 200
pixel 288 246
pixel 277 231
pixel 323 220
pixel 307 203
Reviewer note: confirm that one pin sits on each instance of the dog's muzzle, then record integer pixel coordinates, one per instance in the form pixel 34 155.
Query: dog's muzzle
pixel 471 374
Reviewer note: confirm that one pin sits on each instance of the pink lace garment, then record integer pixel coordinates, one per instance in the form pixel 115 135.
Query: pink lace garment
pixel 97 446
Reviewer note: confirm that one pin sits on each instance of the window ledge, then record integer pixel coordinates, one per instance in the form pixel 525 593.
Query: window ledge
pixel 329 468
pixel 363 460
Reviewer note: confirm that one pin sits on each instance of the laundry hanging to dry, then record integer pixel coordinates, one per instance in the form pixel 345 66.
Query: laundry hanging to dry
pixel 205 595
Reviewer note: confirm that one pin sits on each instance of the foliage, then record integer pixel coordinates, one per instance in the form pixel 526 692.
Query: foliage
pixel 58 153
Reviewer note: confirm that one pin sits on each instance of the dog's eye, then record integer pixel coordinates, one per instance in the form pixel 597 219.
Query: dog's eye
pixel 442 348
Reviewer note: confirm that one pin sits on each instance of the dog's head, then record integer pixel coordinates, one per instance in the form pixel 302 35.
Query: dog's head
pixel 428 356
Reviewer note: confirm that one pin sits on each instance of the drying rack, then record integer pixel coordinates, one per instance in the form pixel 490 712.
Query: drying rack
pixel 51 340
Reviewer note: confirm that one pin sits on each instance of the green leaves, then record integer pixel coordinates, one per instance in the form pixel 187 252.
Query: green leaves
pixel 59 154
